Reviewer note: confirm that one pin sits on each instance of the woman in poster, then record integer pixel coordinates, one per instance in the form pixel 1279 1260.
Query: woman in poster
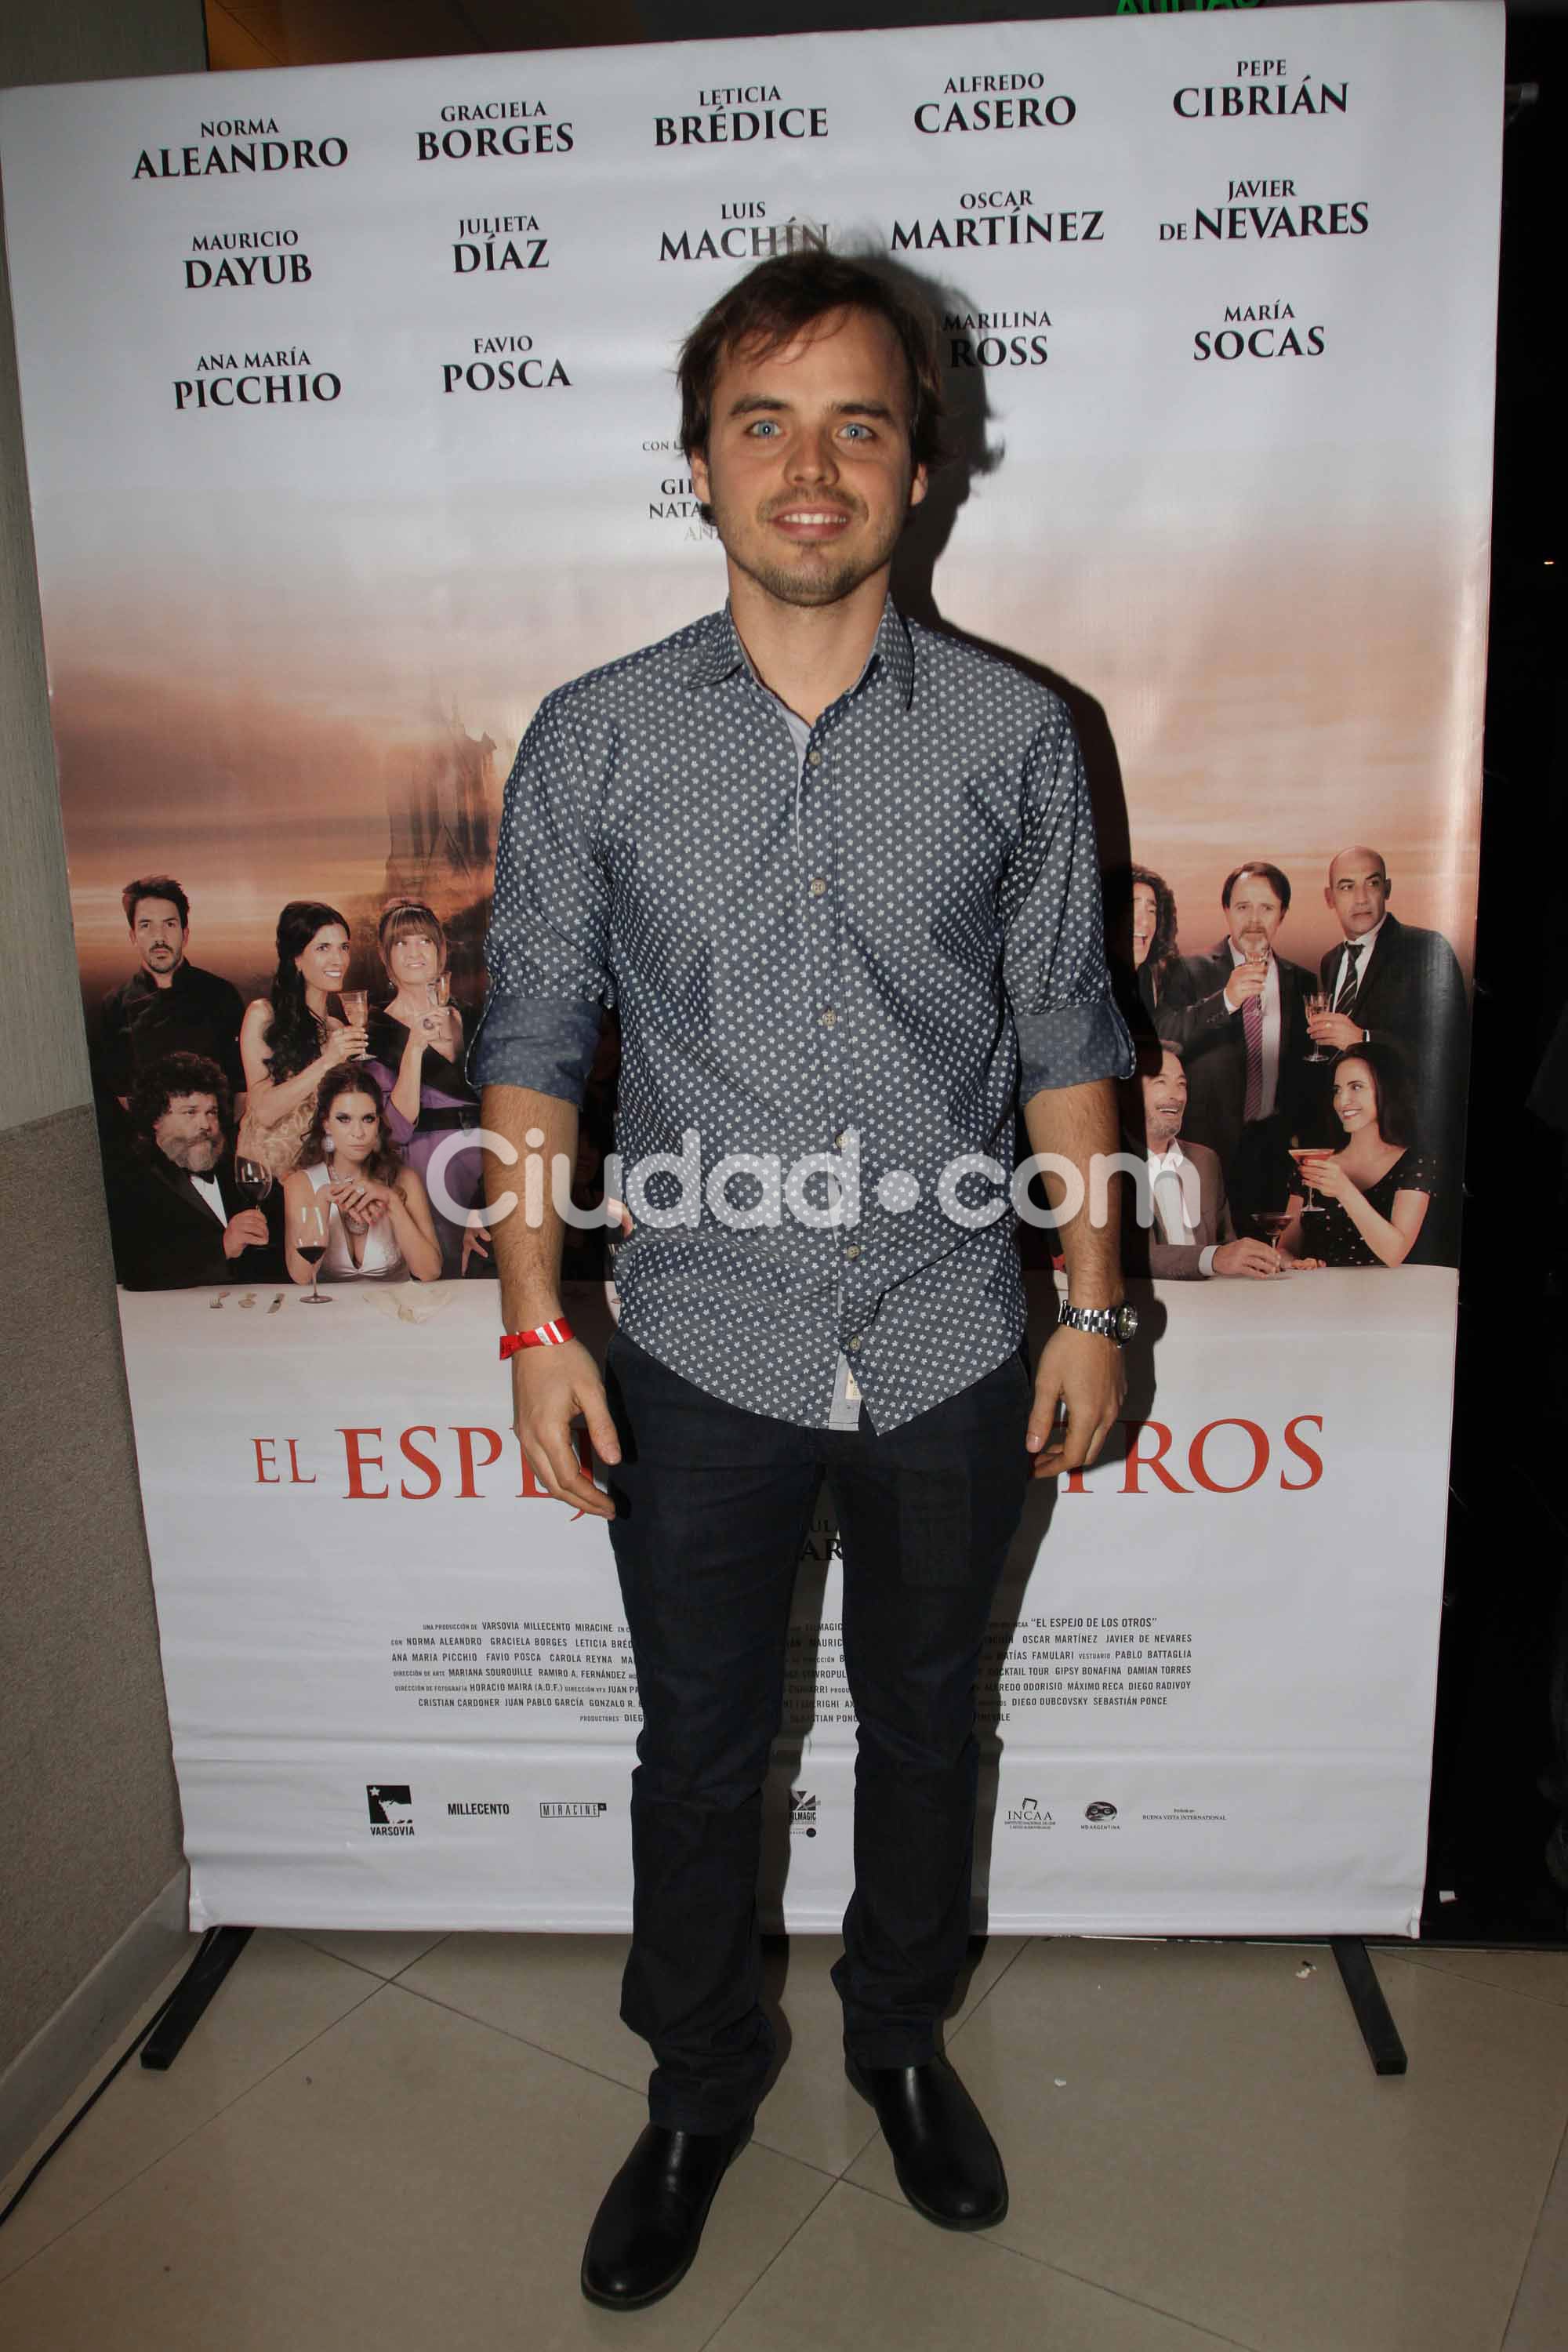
pixel 416 1051
pixel 1153 932
pixel 1377 1187
pixel 290 1041
pixel 374 1220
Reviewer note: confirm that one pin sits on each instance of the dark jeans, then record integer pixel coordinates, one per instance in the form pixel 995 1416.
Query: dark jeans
pixel 712 1508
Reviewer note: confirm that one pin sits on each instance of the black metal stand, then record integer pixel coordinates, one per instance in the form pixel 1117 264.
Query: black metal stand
pixel 190 1996
pixel 1378 2031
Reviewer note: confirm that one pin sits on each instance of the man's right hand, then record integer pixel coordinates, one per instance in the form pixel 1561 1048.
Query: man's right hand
pixel 549 1387
pixel 246 1229
pixel 1247 980
pixel 1249 1257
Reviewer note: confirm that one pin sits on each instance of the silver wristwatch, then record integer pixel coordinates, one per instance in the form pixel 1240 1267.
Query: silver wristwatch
pixel 1115 1323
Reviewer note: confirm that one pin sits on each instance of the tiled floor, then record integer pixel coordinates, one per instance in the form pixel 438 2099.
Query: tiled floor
pixel 394 2143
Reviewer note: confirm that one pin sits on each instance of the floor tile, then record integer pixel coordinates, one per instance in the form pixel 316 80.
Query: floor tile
pixel 382 1954
pixel 1540 2318
pixel 872 2275
pixel 412 2179
pixel 1544 1976
pixel 1198 2128
pixel 562 1993
pixel 277 1996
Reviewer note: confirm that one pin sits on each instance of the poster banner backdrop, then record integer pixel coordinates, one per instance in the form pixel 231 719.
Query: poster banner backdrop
pixel 351 431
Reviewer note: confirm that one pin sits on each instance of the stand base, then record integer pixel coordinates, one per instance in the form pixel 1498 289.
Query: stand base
pixel 1378 2031
pixel 190 1997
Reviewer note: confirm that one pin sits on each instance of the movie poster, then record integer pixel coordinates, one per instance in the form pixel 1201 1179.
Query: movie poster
pixel 351 433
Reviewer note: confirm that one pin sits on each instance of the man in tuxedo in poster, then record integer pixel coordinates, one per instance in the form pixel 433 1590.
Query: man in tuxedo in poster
pixel 175 1216
pixel 1238 1016
pixel 1191 1236
pixel 1390 983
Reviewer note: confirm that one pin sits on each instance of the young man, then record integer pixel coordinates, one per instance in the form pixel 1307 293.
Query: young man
pixel 168 1006
pixel 839 876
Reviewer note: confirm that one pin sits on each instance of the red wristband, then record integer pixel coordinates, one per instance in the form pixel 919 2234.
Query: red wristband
pixel 544 1335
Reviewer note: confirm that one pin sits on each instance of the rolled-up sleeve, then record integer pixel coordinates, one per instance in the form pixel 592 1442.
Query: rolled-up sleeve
pixel 1059 990
pixel 546 948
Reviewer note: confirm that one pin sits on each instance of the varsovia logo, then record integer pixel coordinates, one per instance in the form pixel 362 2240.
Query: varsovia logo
pixel 391 1808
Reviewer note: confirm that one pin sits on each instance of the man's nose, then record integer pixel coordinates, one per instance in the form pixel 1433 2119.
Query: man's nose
pixel 813 458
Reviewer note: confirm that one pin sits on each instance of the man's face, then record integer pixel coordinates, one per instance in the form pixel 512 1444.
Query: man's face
pixel 190 1134
pixel 1145 921
pixel 159 937
pixel 1254 913
pixel 1358 892
pixel 1164 1103
pixel 807 467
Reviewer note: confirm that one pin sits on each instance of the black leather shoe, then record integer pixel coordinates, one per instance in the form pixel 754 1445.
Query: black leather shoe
pixel 647 2232
pixel 946 2160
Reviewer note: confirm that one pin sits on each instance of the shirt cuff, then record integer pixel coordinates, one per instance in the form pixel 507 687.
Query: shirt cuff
pixel 1207 1258
pixel 545 1043
pixel 1071 1045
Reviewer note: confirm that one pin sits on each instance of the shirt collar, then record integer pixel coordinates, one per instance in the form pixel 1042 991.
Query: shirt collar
pixel 1172 1156
pixel 1366 937
pixel 719 653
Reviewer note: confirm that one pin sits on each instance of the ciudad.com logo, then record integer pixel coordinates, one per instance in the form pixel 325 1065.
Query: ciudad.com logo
pixel 743 1189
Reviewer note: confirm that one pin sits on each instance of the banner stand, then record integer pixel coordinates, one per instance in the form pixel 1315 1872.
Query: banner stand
pixel 188 2003
pixel 1373 2014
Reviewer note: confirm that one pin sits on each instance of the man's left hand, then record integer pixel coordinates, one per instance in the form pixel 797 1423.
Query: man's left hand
pixel 1085 1371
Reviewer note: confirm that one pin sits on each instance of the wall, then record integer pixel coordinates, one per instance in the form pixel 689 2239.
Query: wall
pixel 92 1830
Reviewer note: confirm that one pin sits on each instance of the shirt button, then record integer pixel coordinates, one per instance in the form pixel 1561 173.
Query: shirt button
pixel 813 758
pixel 817 885
pixel 829 1018
pixel 838 1140
pixel 855 1345
pixel 852 1249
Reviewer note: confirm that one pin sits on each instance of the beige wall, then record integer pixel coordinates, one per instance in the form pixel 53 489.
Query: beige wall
pixel 91 1818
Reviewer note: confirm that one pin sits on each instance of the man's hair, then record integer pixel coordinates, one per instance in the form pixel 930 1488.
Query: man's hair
pixel 177 1074
pixel 154 886
pixel 1279 882
pixel 775 303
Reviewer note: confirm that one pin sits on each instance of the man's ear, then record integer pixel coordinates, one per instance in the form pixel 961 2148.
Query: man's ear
pixel 698 461
pixel 919 483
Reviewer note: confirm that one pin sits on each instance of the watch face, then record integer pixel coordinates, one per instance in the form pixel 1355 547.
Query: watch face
pixel 1124 1323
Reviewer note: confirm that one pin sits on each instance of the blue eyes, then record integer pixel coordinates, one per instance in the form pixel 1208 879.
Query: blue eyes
pixel 767 427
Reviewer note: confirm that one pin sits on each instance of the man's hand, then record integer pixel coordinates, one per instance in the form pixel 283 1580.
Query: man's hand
pixel 1249 1257
pixel 549 1387
pixel 246 1229
pixel 1086 1370
pixel 1248 978
pixel 1335 1029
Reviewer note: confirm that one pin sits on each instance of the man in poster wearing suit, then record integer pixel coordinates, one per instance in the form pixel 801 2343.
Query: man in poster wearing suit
pixel 174 1215
pixel 1238 1016
pixel 1390 983
pixel 1190 1235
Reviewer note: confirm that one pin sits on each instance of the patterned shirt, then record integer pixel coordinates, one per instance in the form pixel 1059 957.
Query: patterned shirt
pixel 860 961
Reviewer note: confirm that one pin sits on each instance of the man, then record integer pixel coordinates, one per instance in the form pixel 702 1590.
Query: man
pixel 1238 1016
pixel 1191 1235
pixel 839 873
pixel 1389 983
pixel 174 1215
pixel 168 1006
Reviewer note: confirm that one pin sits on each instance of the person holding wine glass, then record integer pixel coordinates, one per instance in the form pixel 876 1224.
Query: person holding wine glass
pixel 416 1053
pixel 1365 1203
pixel 180 1212
pixel 351 1209
pixel 290 1040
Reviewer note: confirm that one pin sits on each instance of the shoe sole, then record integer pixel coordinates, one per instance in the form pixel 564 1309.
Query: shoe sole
pixel 667 2286
pixel 929 2212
